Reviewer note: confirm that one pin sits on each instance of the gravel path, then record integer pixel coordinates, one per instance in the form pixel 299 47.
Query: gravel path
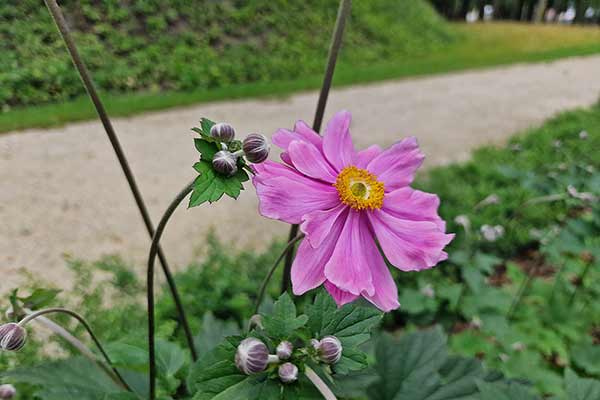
pixel 62 192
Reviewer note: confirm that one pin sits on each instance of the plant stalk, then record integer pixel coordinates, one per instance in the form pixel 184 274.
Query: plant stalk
pixel 154 248
pixel 113 372
pixel 334 49
pixel 265 282
pixel 520 293
pixel 581 280
pixel 88 83
pixel 319 384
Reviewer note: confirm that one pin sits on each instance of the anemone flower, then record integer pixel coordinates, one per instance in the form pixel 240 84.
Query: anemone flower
pixel 350 204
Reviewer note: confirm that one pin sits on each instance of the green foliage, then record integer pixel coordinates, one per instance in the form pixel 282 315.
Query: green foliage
pixel 152 45
pixel 215 375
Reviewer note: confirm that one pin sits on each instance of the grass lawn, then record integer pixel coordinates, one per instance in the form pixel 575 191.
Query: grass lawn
pixel 481 45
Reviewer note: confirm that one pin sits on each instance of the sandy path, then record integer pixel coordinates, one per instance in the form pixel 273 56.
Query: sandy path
pixel 61 190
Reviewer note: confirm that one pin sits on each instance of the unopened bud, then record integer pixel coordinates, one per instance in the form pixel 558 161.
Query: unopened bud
pixel 256 321
pixel 224 162
pixel 222 132
pixel 12 337
pixel 330 350
pixel 252 356
pixel 315 344
pixel 256 148
pixel 288 373
pixel 284 350
pixel 7 392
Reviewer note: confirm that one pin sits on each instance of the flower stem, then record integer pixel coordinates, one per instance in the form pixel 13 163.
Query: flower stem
pixel 319 384
pixel 334 49
pixel 580 282
pixel 150 290
pixel 520 293
pixel 263 286
pixel 113 372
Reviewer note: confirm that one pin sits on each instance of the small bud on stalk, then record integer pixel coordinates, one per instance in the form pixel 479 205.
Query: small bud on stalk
pixel 252 356
pixel 224 162
pixel 222 132
pixel 7 392
pixel 315 344
pixel 12 337
pixel 284 350
pixel 288 373
pixel 256 148
pixel 330 350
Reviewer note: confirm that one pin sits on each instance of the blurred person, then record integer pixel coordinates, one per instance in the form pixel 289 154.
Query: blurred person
pixel 589 15
pixel 472 16
pixel 550 15
pixel 488 12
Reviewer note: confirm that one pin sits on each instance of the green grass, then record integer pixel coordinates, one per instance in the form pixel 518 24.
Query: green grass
pixel 479 46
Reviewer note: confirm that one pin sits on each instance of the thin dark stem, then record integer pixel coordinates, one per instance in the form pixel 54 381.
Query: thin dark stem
pixel 150 289
pixel 334 49
pixel 265 282
pixel 520 293
pixel 580 282
pixel 114 140
pixel 89 330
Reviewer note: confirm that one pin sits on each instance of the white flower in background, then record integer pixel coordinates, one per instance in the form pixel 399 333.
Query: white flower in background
pixel 492 233
pixel 585 196
pixel 516 147
pixel 504 357
pixel 518 346
pixel 583 135
pixel 428 291
pixel 463 221
pixel 557 144
pixel 488 201
pixel 590 169
pixel 562 166
pixel 476 322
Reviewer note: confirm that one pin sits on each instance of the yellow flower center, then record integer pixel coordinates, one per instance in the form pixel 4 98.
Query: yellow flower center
pixel 359 189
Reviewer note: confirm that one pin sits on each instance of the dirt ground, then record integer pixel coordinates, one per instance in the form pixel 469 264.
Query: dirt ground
pixel 62 191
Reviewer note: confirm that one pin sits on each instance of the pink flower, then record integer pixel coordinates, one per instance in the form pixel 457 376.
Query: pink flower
pixel 347 203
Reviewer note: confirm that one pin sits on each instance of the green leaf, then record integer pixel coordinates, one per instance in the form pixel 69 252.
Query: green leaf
pixel 40 298
pixel 580 388
pixel 70 379
pixel 283 322
pixel 213 332
pixel 351 324
pixel 504 391
pixel 587 357
pixel 170 358
pixel 207 149
pixel 210 186
pixel 206 124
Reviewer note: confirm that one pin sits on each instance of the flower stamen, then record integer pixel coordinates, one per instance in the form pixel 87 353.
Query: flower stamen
pixel 359 189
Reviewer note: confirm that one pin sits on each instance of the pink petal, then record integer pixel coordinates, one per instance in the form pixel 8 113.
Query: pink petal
pixel 309 264
pixel 396 166
pixel 348 267
pixel 283 138
pixel 337 142
pixel 386 292
pixel 287 195
pixel 340 296
pixel 310 161
pixel 414 205
pixel 317 225
pixel 409 245
pixel 364 157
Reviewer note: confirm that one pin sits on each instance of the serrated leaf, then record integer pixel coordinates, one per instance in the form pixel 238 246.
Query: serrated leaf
pixel 206 124
pixel 283 322
pixel 587 357
pixel 207 149
pixel 504 391
pixel 210 186
pixel 71 379
pixel 170 358
pixel 580 388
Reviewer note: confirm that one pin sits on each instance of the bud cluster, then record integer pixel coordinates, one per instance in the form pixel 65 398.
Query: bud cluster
pixel 252 356
pixel 255 148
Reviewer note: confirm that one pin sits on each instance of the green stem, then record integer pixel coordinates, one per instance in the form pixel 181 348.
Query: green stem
pixel 581 279
pixel 319 384
pixel 263 286
pixel 519 296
